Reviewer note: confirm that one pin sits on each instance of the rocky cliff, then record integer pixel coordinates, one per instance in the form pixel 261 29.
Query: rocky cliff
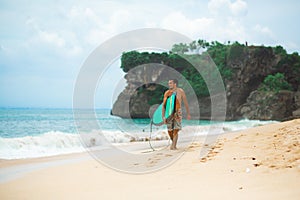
pixel 137 100
pixel 248 70
pixel 268 106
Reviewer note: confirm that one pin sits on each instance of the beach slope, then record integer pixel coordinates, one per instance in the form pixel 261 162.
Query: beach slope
pixel 257 163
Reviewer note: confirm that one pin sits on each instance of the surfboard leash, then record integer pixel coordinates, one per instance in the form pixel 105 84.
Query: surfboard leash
pixel 151 123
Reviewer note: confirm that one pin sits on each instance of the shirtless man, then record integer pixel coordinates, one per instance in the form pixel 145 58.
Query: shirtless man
pixel 174 123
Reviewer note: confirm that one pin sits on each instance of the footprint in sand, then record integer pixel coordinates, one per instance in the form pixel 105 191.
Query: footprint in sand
pixel 156 159
pixel 212 152
pixel 193 146
pixel 152 163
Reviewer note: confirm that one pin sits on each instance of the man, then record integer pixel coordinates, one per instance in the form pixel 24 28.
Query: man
pixel 174 123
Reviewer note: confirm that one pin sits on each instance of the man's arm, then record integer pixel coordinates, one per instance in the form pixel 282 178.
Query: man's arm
pixel 186 105
pixel 163 107
pixel 166 95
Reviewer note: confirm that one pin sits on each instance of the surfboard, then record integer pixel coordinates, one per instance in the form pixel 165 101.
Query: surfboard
pixel 169 110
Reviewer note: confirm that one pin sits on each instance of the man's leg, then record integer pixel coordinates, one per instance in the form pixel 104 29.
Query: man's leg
pixel 170 132
pixel 175 138
pixel 176 128
pixel 170 126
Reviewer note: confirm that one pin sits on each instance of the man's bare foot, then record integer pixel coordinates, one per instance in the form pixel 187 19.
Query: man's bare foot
pixel 173 148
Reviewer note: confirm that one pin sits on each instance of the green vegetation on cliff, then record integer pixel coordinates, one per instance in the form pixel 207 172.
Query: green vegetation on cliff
pixel 275 83
pixel 286 74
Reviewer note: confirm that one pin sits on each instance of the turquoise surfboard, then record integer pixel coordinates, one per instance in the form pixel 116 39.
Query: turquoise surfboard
pixel 169 110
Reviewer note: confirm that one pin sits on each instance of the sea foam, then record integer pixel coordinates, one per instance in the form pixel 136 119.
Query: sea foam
pixel 57 142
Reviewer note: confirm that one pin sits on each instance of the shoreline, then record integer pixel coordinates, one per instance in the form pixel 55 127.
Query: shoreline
pixel 258 163
pixel 37 146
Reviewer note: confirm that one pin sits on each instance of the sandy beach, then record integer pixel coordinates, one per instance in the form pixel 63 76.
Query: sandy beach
pixel 257 163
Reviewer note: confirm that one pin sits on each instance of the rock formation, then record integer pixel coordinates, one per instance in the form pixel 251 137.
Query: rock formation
pixel 244 100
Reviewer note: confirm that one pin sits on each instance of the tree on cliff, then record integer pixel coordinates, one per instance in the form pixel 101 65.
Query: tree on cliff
pixel 243 69
pixel 275 83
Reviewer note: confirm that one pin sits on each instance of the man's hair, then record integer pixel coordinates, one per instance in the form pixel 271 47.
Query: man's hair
pixel 174 81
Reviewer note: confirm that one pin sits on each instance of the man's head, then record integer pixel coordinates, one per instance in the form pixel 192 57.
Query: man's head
pixel 173 83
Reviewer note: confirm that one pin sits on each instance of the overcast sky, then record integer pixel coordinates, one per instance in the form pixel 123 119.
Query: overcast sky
pixel 43 44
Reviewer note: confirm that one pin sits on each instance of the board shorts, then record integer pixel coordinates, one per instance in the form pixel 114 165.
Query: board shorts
pixel 174 122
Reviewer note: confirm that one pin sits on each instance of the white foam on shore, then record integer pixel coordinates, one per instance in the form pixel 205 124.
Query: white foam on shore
pixel 47 144
pixel 56 143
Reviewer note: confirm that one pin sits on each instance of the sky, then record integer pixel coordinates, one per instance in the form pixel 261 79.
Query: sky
pixel 43 44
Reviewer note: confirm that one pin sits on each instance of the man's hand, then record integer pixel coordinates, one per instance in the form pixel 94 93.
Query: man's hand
pixel 188 117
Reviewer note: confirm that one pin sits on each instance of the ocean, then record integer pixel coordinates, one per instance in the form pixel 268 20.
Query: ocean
pixel 42 132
